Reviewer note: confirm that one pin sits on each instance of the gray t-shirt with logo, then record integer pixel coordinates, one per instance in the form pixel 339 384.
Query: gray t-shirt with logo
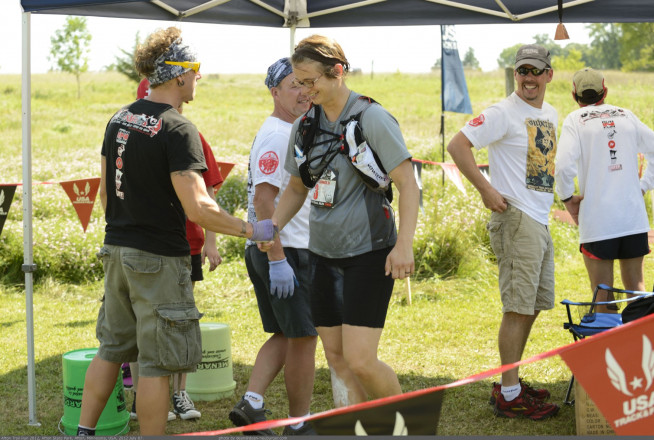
pixel 359 219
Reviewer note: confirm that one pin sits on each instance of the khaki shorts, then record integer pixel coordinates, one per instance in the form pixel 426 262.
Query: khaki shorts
pixel 148 312
pixel 525 256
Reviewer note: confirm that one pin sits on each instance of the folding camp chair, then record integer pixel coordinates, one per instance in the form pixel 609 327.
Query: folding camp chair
pixel 589 321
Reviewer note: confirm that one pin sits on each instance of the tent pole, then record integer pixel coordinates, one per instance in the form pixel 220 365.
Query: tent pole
pixel 28 262
pixel 442 105
pixel 292 49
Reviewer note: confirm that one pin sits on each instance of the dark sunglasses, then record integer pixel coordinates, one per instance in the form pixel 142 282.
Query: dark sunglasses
pixel 523 71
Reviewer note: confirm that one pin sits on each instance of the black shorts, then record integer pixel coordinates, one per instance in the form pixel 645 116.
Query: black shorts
pixel 290 316
pixel 196 268
pixel 620 248
pixel 353 290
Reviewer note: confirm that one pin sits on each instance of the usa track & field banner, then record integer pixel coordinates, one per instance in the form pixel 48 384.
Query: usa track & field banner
pixel 624 394
pixel 616 368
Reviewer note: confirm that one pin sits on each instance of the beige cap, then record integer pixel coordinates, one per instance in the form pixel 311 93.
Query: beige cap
pixel 588 79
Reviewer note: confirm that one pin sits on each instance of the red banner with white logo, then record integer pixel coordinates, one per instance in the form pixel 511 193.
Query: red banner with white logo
pixel 616 368
pixel 82 194
pixel 224 168
pixel 6 197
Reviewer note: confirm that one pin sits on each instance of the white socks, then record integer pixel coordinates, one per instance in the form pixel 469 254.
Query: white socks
pixel 511 392
pixel 301 424
pixel 255 399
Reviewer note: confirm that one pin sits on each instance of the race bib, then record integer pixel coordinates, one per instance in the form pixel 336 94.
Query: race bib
pixel 325 190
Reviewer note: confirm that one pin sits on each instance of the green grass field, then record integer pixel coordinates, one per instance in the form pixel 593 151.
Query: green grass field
pixel 448 332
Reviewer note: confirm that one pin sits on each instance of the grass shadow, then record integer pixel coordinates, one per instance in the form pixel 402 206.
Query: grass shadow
pixel 9 324
pixel 458 404
pixel 76 324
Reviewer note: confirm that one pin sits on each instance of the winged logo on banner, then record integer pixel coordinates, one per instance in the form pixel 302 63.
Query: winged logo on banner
pixel 648 362
pixel 616 374
pixel 2 197
pixel 399 428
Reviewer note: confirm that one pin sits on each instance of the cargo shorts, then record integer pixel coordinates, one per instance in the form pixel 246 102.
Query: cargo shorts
pixel 148 312
pixel 525 256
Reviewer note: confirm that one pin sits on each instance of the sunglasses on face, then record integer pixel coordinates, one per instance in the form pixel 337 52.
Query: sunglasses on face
pixel 523 71
pixel 193 65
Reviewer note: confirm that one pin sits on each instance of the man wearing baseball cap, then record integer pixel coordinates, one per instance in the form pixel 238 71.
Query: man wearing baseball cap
pixel 599 145
pixel 280 276
pixel 520 133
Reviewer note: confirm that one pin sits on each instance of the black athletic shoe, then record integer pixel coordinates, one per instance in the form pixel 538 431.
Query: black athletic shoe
pixel 305 429
pixel 244 414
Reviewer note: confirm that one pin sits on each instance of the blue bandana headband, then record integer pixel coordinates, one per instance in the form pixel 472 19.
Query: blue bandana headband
pixel 165 72
pixel 279 70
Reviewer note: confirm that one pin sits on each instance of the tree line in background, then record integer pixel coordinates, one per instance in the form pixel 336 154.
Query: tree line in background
pixel 627 47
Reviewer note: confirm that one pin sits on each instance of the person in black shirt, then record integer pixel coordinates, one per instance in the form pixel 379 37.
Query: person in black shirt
pixel 151 181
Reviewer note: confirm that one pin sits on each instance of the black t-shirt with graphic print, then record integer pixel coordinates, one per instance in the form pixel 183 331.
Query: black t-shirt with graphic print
pixel 145 142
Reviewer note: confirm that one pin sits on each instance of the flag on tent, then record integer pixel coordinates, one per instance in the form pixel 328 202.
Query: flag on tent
pixel 455 90
pixel 6 196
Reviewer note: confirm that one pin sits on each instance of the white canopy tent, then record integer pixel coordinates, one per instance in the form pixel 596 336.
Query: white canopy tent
pixel 290 14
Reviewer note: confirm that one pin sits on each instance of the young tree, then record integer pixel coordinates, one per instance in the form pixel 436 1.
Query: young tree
pixel 125 63
pixel 470 61
pixel 70 47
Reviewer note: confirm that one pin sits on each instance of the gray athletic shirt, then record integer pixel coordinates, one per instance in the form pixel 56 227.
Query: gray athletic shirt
pixel 361 220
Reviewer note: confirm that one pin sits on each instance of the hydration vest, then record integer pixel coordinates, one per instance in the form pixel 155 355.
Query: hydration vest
pixel 352 143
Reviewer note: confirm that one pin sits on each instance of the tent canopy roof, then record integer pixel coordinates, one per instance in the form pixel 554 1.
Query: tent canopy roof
pixel 343 13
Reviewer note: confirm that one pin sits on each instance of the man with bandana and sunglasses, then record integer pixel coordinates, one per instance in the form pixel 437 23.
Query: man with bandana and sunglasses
pixel 520 133
pixel 151 165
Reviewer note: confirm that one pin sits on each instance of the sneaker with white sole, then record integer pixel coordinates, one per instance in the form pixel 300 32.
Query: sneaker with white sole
pixel 244 414
pixel 184 407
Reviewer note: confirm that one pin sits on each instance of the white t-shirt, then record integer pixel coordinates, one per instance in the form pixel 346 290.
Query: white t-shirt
pixel 521 141
pixel 600 145
pixel 267 158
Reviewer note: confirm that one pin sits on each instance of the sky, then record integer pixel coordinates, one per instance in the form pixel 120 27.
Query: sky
pixel 249 49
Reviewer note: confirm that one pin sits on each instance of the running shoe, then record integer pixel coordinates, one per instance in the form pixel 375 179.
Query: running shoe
pixel 524 406
pixel 538 393
pixel 244 414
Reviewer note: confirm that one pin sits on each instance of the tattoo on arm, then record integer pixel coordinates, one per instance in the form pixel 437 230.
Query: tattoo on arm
pixel 243 230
